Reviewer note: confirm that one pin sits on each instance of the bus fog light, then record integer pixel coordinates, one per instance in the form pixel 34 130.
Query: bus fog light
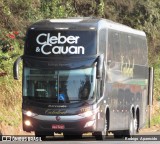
pixel 89 124
pixel 27 123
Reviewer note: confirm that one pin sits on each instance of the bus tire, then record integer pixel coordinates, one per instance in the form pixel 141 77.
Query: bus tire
pixel 40 134
pixel 69 136
pixel 118 134
pixel 43 134
pixel 100 135
pixel 107 121
pixel 132 130
pixel 136 122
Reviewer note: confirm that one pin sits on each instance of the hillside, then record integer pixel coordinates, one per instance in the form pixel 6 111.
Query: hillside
pixel 17 15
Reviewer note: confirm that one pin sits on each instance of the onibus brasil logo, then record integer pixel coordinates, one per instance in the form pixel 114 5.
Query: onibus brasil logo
pixel 48 44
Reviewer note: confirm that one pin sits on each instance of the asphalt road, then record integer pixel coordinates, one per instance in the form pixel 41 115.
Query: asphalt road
pixel 145 137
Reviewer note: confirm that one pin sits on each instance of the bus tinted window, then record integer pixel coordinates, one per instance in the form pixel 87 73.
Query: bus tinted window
pixel 57 43
pixel 102 41
pixel 59 86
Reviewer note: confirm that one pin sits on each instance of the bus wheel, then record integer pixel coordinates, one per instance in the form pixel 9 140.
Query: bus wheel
pixel 40 134
pixel 100 135
pixel 118 134
pixel 136 125
pixel 69 136
pixel 107 124
pixel 43 134
pixel 132 127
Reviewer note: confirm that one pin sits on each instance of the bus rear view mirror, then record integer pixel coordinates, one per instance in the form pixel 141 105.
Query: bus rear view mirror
pixel 15 68
pixel 99 66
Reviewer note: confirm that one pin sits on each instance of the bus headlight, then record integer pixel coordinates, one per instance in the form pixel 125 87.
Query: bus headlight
pixel 89 124
pixel 29 113
pixel 86 114
pixel 27 123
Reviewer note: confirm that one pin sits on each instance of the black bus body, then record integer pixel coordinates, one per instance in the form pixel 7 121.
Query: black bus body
pixel 84 75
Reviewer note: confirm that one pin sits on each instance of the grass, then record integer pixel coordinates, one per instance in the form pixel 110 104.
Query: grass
pixel 10 99
pixel 155 119
pixel 10 91
pixel 11 116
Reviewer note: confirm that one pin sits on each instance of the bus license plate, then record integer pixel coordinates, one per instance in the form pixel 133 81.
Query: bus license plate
pixel 58 126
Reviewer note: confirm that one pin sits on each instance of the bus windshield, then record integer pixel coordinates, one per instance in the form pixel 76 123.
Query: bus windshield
pixel 59 86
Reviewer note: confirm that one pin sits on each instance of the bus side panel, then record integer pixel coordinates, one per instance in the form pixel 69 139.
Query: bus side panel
pixel 141 73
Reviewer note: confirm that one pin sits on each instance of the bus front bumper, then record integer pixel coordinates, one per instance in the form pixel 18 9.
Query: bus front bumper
pixel 72 123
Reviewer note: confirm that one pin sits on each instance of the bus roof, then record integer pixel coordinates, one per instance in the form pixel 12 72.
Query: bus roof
pixel 84 23
pixel 124 28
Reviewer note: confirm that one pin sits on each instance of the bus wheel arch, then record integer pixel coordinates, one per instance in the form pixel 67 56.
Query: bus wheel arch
pixel 132 111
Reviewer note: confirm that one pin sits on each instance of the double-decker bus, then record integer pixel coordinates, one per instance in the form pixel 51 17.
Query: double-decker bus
pixel 84 75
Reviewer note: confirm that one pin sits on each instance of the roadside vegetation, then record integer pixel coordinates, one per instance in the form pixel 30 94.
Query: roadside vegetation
pixel 17 15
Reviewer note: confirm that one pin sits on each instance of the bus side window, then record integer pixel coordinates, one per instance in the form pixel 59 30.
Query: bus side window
pixel 103 79
pixel 110 51
pixel 116 47
pixel 102 41
pixel 144 54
